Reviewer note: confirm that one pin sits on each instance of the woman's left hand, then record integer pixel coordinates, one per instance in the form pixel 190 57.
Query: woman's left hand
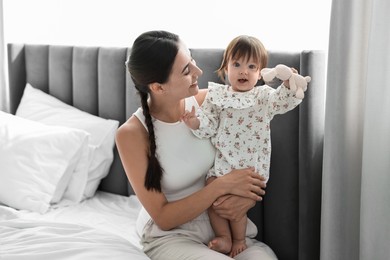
pixel 232 207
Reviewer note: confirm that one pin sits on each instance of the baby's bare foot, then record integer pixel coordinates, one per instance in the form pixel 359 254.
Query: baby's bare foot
pixel 221 244
pixel 237 247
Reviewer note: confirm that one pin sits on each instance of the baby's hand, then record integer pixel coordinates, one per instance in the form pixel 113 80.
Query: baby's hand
pixel 190 119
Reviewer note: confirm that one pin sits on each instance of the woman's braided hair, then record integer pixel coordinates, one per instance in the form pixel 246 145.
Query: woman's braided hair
pixel 150 61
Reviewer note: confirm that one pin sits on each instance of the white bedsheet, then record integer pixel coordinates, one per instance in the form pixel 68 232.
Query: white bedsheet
pixel 102 227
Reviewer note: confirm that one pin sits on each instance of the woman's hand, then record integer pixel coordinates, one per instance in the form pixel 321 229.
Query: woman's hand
pixel 244 182
pixel 235 207
pixel 232 207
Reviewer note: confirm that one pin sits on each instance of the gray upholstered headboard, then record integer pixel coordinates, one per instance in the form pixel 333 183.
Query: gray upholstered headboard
pixel 94 79
pixel 90 78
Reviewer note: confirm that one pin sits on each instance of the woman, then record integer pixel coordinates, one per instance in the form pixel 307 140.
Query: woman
pixel 166 164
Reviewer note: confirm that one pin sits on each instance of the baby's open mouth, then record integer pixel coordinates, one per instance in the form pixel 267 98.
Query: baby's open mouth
pixel 242 80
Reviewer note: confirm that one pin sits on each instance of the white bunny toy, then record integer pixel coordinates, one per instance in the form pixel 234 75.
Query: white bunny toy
pixel 298 83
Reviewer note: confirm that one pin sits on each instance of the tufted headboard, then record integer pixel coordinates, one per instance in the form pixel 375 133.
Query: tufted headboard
pixel 95 79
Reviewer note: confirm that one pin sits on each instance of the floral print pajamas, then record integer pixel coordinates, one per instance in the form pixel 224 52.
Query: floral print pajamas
pixel 238 124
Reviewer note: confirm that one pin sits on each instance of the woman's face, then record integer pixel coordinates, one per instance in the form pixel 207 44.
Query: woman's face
pixel 183 80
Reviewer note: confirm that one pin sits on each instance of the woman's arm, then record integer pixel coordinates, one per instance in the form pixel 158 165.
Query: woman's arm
pixel 132 143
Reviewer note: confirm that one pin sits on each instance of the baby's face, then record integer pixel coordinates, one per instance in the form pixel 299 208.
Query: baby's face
pixel 243 74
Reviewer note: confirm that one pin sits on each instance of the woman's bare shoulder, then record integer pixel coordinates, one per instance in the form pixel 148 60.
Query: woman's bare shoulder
pixel 131 131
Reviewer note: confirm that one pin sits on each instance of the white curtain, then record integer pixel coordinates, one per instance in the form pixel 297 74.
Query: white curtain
pixel 355 214
pixel 3 89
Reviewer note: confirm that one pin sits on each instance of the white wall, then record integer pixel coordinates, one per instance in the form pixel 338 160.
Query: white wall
pixel 279 24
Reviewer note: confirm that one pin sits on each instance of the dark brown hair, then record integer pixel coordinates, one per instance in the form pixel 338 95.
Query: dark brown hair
pixel 150 61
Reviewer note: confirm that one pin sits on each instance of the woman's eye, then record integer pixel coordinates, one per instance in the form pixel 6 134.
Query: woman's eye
pixel 188 69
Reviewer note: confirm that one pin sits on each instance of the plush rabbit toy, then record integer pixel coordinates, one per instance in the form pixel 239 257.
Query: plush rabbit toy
pixel 297 82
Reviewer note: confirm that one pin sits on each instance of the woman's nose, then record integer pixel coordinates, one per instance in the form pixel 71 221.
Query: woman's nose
pixel 199 71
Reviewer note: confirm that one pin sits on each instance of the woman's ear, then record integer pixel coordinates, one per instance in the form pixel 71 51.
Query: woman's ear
pixel 156 88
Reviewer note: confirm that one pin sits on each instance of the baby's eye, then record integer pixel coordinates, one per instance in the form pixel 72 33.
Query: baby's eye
pixel 253 67
pixel 236 64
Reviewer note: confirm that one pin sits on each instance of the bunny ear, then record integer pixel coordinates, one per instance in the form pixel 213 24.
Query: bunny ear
pixel 300 94
pixel 293 84
pixel 264 71
pixel 307 79
pixel 284 72
pixel 268 74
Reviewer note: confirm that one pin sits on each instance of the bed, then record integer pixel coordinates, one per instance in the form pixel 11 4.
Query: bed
pixel 68 102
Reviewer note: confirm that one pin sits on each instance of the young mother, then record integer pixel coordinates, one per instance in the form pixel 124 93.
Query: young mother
pixel 166 164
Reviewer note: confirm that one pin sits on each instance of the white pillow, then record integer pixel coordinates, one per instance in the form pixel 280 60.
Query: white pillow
pixel 39 106
pixel 37 162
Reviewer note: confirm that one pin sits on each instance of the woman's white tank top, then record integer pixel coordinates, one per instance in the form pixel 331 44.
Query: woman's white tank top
pixel 185 159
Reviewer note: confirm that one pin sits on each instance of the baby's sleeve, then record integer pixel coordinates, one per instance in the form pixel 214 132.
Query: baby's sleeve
pixel 281 101
pixel 208 116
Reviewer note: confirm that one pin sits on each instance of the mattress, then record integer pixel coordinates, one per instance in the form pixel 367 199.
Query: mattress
pixel 102 227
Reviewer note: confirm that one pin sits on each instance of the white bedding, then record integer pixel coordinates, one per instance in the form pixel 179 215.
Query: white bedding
pixel 102 227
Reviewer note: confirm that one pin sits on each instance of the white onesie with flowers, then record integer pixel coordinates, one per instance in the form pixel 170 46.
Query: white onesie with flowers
pixel 238 124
